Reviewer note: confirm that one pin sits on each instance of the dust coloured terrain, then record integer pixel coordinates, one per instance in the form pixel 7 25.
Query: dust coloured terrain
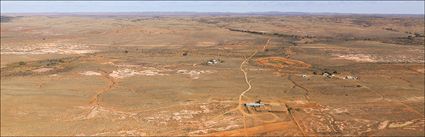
pixel 190 75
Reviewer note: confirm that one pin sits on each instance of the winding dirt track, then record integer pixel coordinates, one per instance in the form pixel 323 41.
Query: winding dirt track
pixel 248 82
pixel 262 128
pixel 246 90
pixel 94 102
pixel 245 73
pixel 111 83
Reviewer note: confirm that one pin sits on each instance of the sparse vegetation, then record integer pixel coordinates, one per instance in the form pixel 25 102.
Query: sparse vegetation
pixel 5 19
pixel 22 63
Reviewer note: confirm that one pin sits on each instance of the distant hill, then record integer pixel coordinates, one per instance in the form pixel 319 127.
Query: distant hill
pixel 271 13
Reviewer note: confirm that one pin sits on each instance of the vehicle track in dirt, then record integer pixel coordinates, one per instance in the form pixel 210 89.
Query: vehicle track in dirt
pixel 110 84
pixel 242 95
pixel 267 44
pixel 95 101
pixel 383 98
pixel 291 115
pixel 306 95
pixel 246 90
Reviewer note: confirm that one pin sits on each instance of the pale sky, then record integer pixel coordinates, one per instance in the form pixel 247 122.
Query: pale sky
pixel 369 7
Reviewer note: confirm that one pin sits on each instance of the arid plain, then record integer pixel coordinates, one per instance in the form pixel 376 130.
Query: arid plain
pixel 192 74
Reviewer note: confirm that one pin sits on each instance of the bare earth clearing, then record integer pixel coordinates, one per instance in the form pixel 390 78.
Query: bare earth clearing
pixel 190 75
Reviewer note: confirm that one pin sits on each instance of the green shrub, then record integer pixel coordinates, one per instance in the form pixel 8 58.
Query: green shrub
pixel 22 63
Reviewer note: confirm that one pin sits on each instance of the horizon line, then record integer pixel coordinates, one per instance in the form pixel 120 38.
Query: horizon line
pixel 202 12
